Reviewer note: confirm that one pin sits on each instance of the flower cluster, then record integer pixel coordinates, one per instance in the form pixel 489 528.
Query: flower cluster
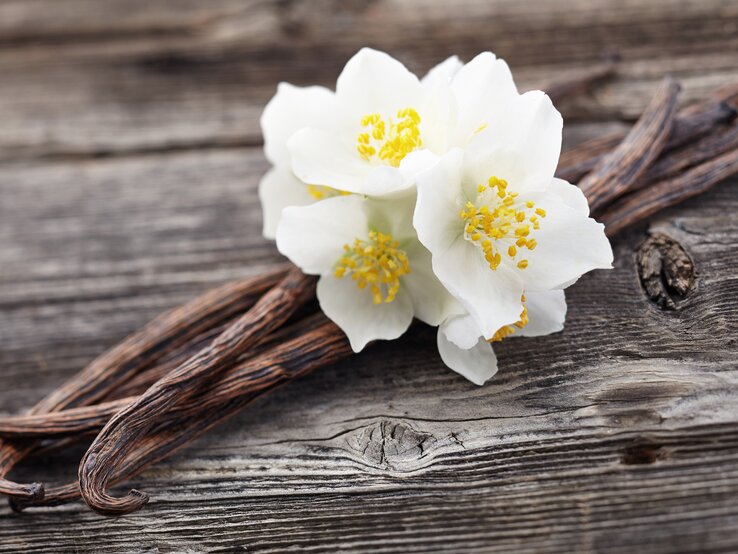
pixel 430 198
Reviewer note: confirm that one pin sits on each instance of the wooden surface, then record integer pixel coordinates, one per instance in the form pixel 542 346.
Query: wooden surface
pixel 129 158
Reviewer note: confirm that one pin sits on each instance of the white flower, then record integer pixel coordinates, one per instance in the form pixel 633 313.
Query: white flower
pixel 374 274
pixel 294 108
pixel 291 109
pixel 315 110
pixel 389 122
pixel 466 351
pixel 501 237
pixel 497 222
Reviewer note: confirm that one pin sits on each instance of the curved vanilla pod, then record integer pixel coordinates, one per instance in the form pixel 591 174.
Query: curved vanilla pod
pixel 319 344
pixel 141 350
pixel 97 466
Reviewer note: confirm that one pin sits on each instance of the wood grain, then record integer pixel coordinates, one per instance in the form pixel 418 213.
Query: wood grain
pixel 127 187
pixel 192 77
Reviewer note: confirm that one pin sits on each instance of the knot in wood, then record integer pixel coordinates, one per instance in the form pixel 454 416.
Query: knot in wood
pixel 666 271
pixel 642 452
pixel 392 445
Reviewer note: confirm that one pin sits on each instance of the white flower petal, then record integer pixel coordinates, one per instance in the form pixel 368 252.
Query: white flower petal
pixel 354 312
pixel 439 201
pixel 322 158
pixel 462 330
pixel 312 237
pixel 570 194
pixel 278 189
pixel 522 145
pixel 546 313
pixel 372 82
pixel 478 364
pixel 291 109
pixel 492 297
pixel 569 245
pixel 443 72
pixel 483 89
pixel 416 163
pixel 431 301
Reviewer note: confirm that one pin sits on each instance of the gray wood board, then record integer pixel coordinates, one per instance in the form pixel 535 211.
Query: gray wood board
pixel 130 156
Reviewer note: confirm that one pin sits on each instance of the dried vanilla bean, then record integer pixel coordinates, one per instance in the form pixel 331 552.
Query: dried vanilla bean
pixel 134 354
pixel 708 147
pixel 322 344
pixel 256 375
pixel 96 468
pixel 158 338
pixel 71 421
pixel 690 124
pixel 86 419
pixel 616 172
pixel 647 201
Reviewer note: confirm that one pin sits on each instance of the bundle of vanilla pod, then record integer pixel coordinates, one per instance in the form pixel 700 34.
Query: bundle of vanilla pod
pixel 201 363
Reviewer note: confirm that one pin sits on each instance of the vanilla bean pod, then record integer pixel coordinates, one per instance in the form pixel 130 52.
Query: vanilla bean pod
pixel 697 179
pixel 134 354
pixel 158 338
pixel 647 201
pixel 690 124
pixel 86 419
pixel 616 172
pixel 708 147
pixel 71 421
pixel 96 468
pixel 138 383
pixel 295 342
pixel 320 345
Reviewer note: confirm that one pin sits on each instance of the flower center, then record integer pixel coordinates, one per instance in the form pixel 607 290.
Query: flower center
pixel 389 140
pixel 320 192
pixel 508 330
pixel 499 223
pixel 377 263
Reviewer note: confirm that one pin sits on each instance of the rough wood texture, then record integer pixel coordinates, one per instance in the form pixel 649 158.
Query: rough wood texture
pixel 130 148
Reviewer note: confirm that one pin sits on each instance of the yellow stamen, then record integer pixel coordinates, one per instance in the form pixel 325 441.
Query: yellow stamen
pixel 321 192
pixel 388 140
pixel 376 263
pixel 498 222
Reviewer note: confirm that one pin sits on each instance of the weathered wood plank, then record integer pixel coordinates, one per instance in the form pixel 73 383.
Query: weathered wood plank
pixel 553 455
pixel 79 77
pixel 128 170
